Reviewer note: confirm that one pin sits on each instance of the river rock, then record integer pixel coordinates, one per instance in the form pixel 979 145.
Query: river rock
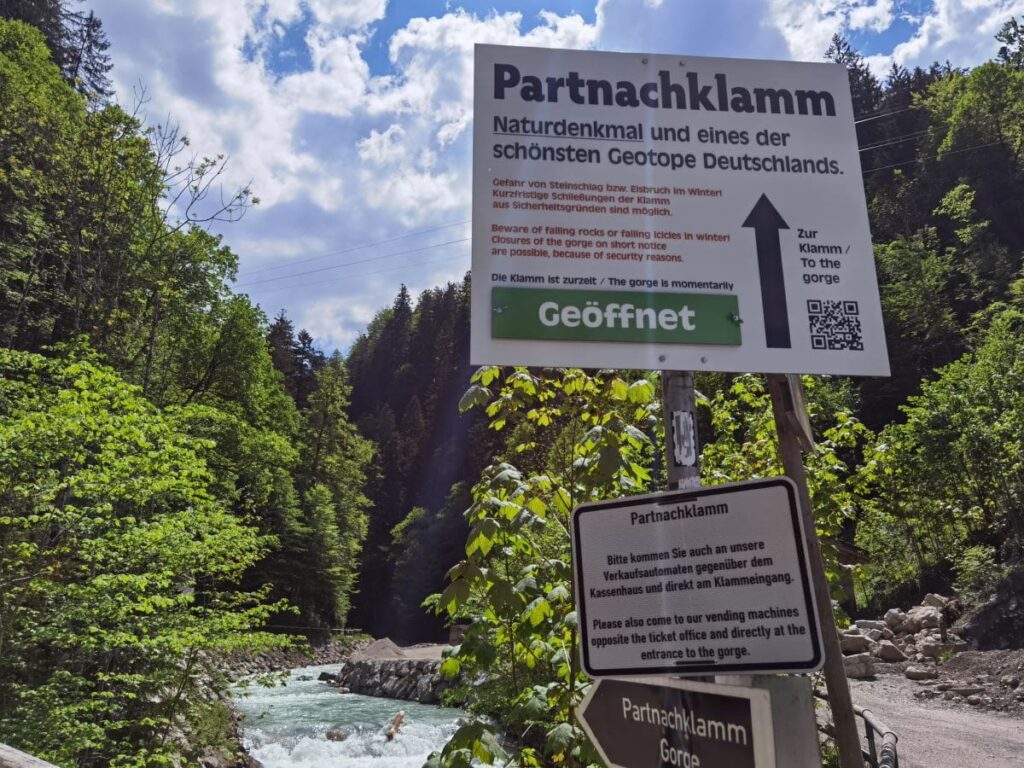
pixel 1009 681
pixel 859 666
pixel 337 733
pixel 936 601
pixel 327 677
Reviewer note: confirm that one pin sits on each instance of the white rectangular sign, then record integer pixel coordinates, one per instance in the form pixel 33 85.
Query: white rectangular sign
pixel 666 212
pixel 709 581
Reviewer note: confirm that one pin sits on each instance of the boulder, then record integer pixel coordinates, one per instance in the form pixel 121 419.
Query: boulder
pixel 936 601
pixel 854 644
pixel 930 649
pixel 859 666
pixel 908 626
pixel 327 677
pixel 894 617
pixel 887 651
pixel 868 624
pixel 873 634
pixel 925 616
pixel 1009 681
pixel 934 649
pixel 337 733
pixel 920 672
pixel 967 690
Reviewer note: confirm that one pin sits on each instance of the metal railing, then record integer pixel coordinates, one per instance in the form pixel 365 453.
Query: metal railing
pixel 881 741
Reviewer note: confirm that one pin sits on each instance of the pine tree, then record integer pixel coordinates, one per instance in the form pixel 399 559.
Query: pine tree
pixel 76 41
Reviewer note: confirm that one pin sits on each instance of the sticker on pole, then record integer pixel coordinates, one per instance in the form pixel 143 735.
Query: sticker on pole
pixel 664 724
pixel 666 212
pixel 709 581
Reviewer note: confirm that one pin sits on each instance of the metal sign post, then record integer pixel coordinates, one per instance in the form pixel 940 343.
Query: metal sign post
pixel 679 409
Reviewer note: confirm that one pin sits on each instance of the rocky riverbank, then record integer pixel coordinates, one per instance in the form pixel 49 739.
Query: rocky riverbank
pixel 384 669
pixel 333 651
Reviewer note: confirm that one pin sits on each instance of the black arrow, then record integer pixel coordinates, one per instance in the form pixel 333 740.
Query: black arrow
pixel 767 222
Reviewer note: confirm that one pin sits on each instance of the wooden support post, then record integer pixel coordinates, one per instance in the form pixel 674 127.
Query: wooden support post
pixel 788 423
pixel 795 733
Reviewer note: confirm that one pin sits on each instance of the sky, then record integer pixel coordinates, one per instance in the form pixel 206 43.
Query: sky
pixel 352 119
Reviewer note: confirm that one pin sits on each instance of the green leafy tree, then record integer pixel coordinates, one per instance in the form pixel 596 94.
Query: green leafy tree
pixel 119 570
pixel 951 475
pixel 515 584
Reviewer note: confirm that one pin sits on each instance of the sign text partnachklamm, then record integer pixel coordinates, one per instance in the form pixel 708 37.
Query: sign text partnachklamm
pixel 640 211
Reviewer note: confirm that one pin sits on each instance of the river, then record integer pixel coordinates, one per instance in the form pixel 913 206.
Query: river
pixel 286 726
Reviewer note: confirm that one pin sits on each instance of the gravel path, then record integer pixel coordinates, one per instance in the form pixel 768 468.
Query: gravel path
pixel 934 734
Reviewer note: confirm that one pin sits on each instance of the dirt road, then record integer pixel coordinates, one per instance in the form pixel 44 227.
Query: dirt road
pixel 935 734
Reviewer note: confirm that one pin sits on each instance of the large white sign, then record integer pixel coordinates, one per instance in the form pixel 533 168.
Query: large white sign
pixel 692 583
pixel 642 211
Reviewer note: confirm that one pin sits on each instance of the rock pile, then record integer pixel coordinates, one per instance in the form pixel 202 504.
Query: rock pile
pixel 919 635
pixel 410 679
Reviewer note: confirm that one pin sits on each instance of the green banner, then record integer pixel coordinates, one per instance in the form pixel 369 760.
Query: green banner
pixel 634 316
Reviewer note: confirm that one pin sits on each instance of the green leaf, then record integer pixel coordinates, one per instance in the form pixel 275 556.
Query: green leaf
pixel 558 739
pixel 538 611
pixel 450 668
pixel 474 397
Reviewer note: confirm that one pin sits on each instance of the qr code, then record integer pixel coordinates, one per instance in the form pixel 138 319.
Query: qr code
pixel 834 324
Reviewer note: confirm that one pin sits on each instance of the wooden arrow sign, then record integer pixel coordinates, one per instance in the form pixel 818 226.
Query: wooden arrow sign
pixel 678 724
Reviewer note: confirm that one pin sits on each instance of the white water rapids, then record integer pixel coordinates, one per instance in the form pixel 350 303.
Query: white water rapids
pixel 286 726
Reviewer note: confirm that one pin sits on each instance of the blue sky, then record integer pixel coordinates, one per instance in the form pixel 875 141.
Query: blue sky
pixel 352 119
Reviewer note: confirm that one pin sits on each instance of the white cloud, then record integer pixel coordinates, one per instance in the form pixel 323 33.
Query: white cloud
pixel 337 321
pixel 348 13
pixel 808 25
pixel 383 147
pixel 960 31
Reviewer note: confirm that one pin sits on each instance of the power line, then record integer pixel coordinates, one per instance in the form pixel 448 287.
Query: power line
pixel 359 247
pixel 368 274
pixel 880 116
pixel 890 142
pixel 349 263
pixel 934 157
